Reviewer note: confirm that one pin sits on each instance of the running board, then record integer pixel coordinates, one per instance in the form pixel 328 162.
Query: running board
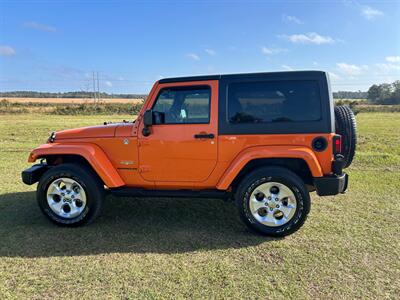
pixel 134 192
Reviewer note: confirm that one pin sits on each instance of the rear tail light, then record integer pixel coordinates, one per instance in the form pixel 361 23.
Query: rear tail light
pixel 337 144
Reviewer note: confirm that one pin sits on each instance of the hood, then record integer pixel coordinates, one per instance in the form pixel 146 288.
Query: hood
pixel 101 131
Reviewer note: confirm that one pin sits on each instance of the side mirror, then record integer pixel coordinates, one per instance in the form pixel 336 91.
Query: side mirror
pixel 148 118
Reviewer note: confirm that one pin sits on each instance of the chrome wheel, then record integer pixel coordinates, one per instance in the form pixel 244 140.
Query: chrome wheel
pixel 272 204
pixel 66 198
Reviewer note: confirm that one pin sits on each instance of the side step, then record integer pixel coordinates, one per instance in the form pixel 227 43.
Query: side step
pixel 134 192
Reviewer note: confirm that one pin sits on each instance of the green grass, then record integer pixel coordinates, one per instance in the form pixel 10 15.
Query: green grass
pixel 191 248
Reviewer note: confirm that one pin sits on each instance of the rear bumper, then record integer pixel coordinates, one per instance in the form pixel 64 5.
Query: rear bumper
pixel 33 174
pixel 331 185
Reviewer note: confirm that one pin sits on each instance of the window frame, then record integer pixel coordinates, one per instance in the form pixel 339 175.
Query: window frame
pixel 183 88
pixel 325 125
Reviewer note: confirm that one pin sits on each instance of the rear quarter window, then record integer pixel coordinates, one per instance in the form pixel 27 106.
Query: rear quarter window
pixel 273 101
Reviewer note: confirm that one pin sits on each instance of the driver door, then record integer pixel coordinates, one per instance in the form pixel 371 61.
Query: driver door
pixel 182 145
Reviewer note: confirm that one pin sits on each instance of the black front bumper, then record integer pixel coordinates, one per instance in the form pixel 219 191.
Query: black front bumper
pixel 33 174
pixel 331 185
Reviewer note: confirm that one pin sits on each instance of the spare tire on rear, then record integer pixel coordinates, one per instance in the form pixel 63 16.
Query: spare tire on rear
pixel 345 123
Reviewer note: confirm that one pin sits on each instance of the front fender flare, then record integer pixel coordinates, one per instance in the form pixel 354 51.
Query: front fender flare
pixel 257 152
pixel 93 154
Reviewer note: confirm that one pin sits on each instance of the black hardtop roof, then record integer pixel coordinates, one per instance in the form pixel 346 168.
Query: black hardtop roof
pixel 280 75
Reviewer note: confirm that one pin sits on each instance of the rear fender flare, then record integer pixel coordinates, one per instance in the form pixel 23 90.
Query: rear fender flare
pixel 93 154
pixel 257 152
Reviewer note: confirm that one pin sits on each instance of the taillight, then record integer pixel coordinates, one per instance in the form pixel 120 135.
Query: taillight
pixel 337 144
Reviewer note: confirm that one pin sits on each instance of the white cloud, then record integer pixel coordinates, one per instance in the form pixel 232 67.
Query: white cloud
pixel 334 76
pixel 193 56
pixel 287 68
pixel 393 59
pixel 351 70
pixel 272 50
pixel 309 38
pixel 387 67
pixel 210 52
pixel 293 19
pixel 6 50
pixel 108 83
pixel 39 26
pixel 370 13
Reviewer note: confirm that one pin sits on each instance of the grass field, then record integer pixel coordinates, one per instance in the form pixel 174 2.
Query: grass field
pixel 189 248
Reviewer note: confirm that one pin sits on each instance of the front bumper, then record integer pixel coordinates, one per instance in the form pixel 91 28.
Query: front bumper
pixel 331 185
pixel 33 174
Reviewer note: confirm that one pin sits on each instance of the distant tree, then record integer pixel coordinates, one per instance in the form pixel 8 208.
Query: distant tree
pixel 385 93
pixel 349 95
pixel 373 93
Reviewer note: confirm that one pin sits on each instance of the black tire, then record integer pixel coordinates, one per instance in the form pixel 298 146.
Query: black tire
pixel 345 123
pixel 88 180
pixel 280 175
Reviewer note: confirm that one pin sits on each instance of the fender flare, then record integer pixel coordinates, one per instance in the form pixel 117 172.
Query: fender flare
pixel 93 154
pixel 257 152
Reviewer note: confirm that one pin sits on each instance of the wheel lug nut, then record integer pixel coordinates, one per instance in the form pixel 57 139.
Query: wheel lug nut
pixel 277 206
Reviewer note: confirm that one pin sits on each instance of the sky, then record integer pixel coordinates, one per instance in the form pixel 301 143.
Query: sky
pixel 56 45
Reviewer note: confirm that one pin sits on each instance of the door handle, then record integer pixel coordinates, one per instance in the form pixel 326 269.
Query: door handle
pixel 204 136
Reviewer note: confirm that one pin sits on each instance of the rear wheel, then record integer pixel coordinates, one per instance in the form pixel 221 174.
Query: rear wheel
pixel 70 195
pixel 273 201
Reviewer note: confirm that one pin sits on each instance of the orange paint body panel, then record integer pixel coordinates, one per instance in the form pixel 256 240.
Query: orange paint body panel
pixel 92 153
pixel 171 158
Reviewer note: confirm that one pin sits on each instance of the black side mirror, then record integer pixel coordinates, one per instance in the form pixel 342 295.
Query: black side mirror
pixel 147 122
pixel 148 118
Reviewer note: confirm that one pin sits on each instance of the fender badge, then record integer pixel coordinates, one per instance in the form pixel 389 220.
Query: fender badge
pixel 126 162
pixel 126 141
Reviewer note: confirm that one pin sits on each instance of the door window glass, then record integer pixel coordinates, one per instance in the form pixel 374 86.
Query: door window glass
pixel 183 105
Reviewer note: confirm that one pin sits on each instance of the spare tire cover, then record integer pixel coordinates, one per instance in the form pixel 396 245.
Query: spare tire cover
pixel 345 123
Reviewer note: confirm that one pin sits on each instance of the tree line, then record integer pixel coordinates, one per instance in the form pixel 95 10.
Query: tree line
pixel 77 94
pixel 385 93
pixel 350 95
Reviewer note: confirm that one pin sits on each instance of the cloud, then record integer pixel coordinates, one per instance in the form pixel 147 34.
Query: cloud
pixel 6 50
pixel 193 56
pixel 210 52
pixel 39 26
pixel 287 68
pixel 370 13
pixel 309 38
pixel 351 70
pixel 108 83
pixel 333 76
pixel 292 19
pixel 272 50
pixel 393 59
pixel 388 67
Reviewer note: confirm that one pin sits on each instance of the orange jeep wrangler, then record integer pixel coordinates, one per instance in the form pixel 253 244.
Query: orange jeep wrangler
pixel 265 140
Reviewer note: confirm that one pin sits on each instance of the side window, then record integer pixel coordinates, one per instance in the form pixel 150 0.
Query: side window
pixel 274 101
pixel 183 105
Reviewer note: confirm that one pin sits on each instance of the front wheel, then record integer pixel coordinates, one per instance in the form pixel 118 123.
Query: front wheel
pixel 273 201
pixel 70 195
